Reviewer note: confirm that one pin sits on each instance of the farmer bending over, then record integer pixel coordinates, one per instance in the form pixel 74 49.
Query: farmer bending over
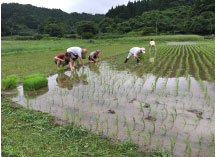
pixel 151 45
pixel 75 53
pixel 93 55
pixel 63 59
pixel 136 51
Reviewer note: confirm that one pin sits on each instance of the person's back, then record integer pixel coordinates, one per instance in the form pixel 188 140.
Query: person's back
pixel 152 43
pixel 75 51
pixel 135 51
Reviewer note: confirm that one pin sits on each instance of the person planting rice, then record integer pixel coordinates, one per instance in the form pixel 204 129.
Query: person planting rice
pixel 136 51
pixel 76 52
pixel 152 45
pixel 94 55
pixel 63 59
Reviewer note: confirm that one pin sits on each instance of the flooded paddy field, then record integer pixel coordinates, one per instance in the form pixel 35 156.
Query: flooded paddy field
pixel 165 102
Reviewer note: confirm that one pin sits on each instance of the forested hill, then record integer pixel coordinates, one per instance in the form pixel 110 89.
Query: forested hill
pixel 17 18
pixel 141 17
pixel 164 16
pixel 135 8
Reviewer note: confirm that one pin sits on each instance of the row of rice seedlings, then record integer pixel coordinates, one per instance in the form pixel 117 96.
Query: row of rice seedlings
pixel 187 70
pixel 188 146
pixel 179 70
pixel 204 67
pixel 195 64
pixel 175 56
pixel 164 67
pixel 162 55
pixel 209 54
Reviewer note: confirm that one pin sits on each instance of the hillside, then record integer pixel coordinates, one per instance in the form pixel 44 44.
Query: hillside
pixel 164 16
pixel 25 19
pixel 142 17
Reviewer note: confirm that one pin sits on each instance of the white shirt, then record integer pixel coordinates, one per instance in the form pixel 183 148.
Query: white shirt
pixel 135 51
pixel 75 50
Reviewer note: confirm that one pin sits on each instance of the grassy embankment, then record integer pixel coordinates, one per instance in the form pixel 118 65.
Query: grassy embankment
pixel 31 133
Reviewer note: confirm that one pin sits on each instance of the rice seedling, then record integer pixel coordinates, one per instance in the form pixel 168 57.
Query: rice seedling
pixel 73 117
pixel 200 142
pixel 212 138
pixel 107 125
pixel 67 116
pixel 145 138
pixel 117 124
pixel 60 70
pixel 134 122
pixel 141 108
pixel 154 113
pixel 144 123
pixel 34 82
pixel 164 128
pixel 172 115
pixel 172 143
pixel 153 124
pixel 10 82
pixel 175 110
pixel 158 143
pixel 80 118
pixel 188 146
pixel 150 135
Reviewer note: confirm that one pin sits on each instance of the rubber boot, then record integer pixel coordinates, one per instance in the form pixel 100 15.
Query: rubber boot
pixel 138 61
pixel 126 60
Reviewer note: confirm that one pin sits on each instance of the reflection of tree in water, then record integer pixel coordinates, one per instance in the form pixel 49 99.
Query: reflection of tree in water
pixel 94 67
pixel 68 82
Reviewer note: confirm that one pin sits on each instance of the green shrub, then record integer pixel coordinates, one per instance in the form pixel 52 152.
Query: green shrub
pixel 24 38
pixel 34 82
pixel 10 82
pixel 37 36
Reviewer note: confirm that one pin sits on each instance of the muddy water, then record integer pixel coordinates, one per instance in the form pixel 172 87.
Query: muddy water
pixel 128 106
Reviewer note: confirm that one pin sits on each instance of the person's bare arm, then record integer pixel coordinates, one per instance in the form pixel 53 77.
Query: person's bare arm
pixel 82 62
pixel 138 58
pixel 71 67
pixel 59 59
pixel 91 57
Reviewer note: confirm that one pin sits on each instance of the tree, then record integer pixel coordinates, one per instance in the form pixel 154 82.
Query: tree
pixel 86 29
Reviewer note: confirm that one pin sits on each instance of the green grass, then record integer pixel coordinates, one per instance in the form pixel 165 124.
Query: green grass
pixel 38 56
pixel 31 133
pixel 10 82
pixel 34 82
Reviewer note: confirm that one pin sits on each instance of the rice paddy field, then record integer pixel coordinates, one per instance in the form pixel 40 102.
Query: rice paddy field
pixel 165 102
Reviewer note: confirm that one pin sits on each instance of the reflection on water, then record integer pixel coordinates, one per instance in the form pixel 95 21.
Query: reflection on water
pixel 139 105
pixel 66 81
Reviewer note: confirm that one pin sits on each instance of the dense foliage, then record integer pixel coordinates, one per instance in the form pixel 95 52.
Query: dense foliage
pixel 165 16
pixel 141 17
pixel 27 19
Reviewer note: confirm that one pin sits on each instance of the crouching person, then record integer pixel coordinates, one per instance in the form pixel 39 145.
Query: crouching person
pixel 136 51
pixel 63 59
pixel 76 52
pixel 94 55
